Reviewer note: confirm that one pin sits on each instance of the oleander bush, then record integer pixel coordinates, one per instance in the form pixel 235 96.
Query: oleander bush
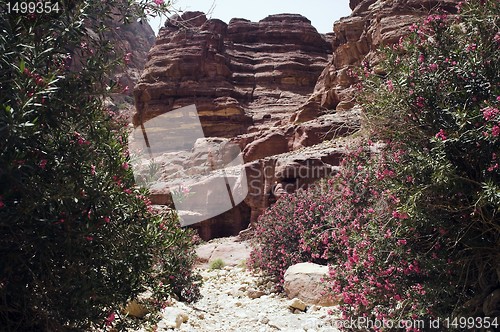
pixel 77 238
pixel 410 226
pixel 286 233
pixel 439 101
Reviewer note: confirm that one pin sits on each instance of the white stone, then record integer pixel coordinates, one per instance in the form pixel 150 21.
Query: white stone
pixel 304 281
pixel 172 318
pixel 297 304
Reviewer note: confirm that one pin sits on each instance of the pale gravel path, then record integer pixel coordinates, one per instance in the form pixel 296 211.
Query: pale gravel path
pixel 226 306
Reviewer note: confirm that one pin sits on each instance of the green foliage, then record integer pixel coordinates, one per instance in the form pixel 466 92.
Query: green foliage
pixel 411 231
pixel 443 109
pixel 77 239
pixel 291 231
pixel 216 264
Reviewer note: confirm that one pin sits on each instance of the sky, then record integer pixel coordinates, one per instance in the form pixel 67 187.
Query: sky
pixel 321 13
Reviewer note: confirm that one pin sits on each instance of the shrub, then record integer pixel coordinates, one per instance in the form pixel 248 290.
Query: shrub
pixel 441 106
pixel 217 264
pixel 286 233
pixel 77 239
pixel 411 231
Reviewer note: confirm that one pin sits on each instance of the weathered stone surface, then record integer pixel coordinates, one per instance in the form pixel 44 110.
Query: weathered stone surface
pixel 297 304
pixel 275 88
pixel 304 281
pixel 135 309
pixel 172 318
pixel 356 38
pixel 225 68
pixel 133 40
pixel 232 300
pixel 255 294
pixel 246 79
pixel 230 251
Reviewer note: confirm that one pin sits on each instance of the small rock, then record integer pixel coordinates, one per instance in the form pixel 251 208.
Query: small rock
pixel 172 318
pixel 135 309
pixel 305 281
pixel 297 311
pixel 264 320
pixel 297 304
pixel 254 294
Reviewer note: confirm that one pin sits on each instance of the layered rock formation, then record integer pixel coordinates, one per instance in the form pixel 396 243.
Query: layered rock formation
pixel 235 74
pixel 247 79
pixel 373 23
pixel 276 88
pixel 134 39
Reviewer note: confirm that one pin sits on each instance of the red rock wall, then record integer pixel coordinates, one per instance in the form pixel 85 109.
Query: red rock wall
pixel 356 38
pixel 226 70
pixel 276 88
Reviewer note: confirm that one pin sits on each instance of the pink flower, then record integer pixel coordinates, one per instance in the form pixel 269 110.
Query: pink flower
pixel 399 215
pixel 490 169
pixel 92 169
pixel 110 319
pixel 402 242
pixel 497 38
pixel 490 113
pixel 159 2
pixel 42 163
pixel 420 102
pixel 125 166
pixel 495 131
pixel 126 58
pixel 2 204
pixel 107 220
pixel 471 47
pixel 441 134
pixel 390 86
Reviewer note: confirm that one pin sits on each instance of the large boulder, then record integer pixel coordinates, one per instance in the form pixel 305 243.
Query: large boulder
pixel 305 281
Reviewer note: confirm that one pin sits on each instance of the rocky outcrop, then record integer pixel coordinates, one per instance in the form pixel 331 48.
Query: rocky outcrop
pixel 305 281
pixel 356 38
pixel 247 80
pixel 277 89
pixel 231 71
pixel 133 40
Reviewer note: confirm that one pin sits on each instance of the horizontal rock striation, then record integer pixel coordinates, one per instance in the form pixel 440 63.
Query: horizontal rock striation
pixel 247 80
pixel 227 70
pixel 276 88
pixel 373 23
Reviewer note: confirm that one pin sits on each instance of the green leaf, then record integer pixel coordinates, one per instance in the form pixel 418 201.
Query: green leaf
pixel 22 65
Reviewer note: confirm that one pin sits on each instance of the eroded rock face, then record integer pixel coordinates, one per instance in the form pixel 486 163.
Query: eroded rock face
pixel 133 40
pixel 275 88
pixel 247 80
pixel 356 38
pixel 231 71
pixel 305 281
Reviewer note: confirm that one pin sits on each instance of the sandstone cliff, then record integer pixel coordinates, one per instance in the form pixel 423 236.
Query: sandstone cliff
pixel 133 40
pixel 276 88
pixel 373 23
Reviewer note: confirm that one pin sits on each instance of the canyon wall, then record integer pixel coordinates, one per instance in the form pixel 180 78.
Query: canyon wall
pixel 277 89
